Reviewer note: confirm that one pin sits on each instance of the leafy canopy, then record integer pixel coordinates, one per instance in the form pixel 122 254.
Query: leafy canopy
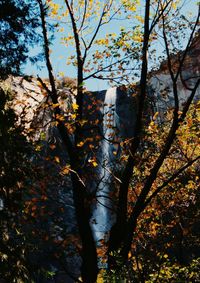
pixel 18 24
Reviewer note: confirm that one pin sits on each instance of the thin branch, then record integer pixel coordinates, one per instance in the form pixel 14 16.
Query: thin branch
pixel 172 178
pixel 84 15
pixel 95 33
pixel 173 78
pixel 108 66
pixel 189 101
pixel 168 52
pixel 184 81
pixel 188 44
pixel 157 18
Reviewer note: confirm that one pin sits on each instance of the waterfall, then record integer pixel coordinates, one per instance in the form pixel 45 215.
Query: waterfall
pixel 1 204
pixel 103 215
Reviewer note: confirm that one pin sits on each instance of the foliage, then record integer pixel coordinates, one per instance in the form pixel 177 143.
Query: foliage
pixel 175 273
pixel 144 175
pixel 169 271
pixel 87 25
pixel 14 169
pixel 166 237
pixel 157 183
pixel 18 31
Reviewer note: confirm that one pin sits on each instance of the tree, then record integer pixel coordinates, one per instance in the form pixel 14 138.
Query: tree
pixel 177 120
pixel 18 25
pixel 81 194
pixel 151 183
pixel 14 170
pixel 166 223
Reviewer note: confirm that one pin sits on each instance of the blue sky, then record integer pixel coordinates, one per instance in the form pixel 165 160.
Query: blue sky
pixel 60 53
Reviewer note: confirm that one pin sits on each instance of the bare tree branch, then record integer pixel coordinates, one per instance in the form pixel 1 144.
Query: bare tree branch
pixel 171 179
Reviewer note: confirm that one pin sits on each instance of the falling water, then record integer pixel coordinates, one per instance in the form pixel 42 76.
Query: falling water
pixel 102 217
pixel 1 204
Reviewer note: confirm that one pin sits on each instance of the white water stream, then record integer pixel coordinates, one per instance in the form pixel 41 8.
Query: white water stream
pixel 103 215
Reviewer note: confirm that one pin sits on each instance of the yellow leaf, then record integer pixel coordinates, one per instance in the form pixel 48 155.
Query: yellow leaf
pixel 55 105
pixel 73 116
pixel 155 115
pixel 38 148
pixel 94 163
pixel 75 106
pixel 60 117
pixel 61 74
pixel 174 5
pixel 137 38
pixel 80 144
pixel 82 122
pixel 57 159
pixel 140 19
pixel 66 170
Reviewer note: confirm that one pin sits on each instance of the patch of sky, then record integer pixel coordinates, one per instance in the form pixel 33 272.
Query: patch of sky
pixel 60 53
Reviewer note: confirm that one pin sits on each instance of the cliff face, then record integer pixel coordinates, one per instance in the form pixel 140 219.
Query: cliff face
pixel 161 84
